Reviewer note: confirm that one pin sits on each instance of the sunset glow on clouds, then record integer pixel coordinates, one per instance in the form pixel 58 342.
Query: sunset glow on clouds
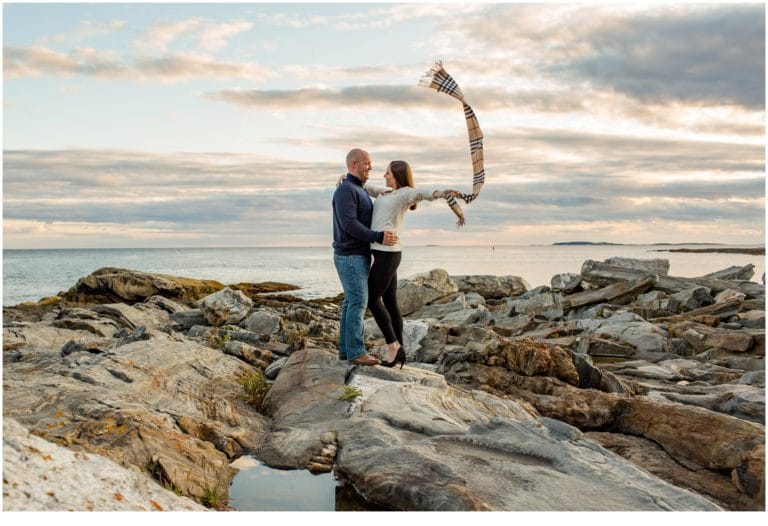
pixel 129 125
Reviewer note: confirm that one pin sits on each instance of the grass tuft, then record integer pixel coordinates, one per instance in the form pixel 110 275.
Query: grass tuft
pixel 349 393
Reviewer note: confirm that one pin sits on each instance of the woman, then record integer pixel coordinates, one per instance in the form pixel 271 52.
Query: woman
pixel 388 212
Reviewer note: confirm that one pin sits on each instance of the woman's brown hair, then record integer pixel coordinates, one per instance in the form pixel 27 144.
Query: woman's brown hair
pixel 403 175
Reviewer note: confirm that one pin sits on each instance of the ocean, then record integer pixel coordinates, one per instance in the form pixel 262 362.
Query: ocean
pixel 29 275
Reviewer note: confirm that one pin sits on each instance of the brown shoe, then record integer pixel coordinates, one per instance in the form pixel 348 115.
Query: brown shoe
pixel 366 360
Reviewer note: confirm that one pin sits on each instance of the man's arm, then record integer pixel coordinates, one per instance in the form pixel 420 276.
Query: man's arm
pixel 345 204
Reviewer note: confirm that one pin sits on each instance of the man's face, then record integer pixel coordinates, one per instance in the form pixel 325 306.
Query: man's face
pixel 361 167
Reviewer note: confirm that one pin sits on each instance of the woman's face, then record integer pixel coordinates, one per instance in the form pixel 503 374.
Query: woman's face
pixel 389 178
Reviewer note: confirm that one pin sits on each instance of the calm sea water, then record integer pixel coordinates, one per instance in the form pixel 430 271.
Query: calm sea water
pixel 29 275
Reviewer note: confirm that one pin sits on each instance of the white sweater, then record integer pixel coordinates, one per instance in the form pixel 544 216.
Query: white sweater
pixel 389 210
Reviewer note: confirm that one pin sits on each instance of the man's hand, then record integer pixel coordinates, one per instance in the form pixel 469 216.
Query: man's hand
pixel 390 238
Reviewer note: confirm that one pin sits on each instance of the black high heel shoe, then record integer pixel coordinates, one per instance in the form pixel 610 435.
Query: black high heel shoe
pixel 399 358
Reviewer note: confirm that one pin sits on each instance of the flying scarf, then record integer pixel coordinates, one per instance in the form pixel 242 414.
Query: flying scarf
pixel 437 78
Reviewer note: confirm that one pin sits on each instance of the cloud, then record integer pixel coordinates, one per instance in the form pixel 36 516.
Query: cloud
pixel 26 62
pixel 224 194
pixel 159 36
pixel 216 36
pixel 87 29
pixel 708 54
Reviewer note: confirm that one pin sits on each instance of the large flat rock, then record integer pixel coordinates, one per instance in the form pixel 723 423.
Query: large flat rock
pixel 413 442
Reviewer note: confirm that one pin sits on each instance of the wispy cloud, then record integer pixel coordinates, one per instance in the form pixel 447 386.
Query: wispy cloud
pixel 178 67
pixel 216 36
pixel 159 36
pixel 86 30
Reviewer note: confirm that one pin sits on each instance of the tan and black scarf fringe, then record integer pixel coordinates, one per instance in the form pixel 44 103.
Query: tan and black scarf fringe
pixel 438 79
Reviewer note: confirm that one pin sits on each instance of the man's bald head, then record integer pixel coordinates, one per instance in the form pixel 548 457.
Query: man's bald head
pixel 359 163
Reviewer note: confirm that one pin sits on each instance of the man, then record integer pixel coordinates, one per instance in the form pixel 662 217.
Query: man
pixel 352 238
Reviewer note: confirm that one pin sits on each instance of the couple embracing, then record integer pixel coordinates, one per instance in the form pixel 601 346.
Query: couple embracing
pixel 367 253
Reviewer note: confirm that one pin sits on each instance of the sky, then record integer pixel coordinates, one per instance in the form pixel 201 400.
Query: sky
pixel 213 124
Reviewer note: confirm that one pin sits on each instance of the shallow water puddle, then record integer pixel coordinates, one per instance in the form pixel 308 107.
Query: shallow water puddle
pixel 258 487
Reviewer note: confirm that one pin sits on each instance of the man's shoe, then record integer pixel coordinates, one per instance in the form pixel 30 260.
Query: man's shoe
pixel 366 360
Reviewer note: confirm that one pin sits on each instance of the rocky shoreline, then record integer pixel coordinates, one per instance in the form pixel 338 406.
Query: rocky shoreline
pixel 621 381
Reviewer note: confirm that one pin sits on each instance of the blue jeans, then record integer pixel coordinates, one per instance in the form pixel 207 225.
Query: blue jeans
pixel 353 274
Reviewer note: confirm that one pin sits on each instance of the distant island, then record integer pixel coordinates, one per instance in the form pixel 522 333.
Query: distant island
pixel 754 251
pixel 585 243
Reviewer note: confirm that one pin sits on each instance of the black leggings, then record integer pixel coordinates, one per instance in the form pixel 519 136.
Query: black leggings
pixel 382 294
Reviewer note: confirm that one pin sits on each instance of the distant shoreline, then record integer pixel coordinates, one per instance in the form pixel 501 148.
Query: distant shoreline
pixel 751 251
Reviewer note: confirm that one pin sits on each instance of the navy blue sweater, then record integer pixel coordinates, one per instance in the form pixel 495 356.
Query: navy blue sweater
pixel 352 212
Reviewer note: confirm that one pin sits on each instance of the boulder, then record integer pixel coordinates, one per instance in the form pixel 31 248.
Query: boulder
pixel 188 319
pixel 618 293
pixel 128 404
pixel 474 299
pixel 442 307
pixel 412 442
pixel 690 299
pixel 744 273
pixel 111 285
pixel 467 316
pixel 566 282
pixel 729 294
pixel 651 457
pixel 605 273
pixel 226 307
pixel 548 304
pixel 622 269
pixel 630 329
pixel 491 287
pixel 422 289
pixel 41 476
pixel 263 322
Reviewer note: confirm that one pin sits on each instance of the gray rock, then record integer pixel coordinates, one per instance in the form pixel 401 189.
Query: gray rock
pixel 274 368
pixel 226 306
pixel 752 324
pixel 168 305
pixel 619 293
pixel 541 289
pixel 513 326
pixel 659 267
pixel 566 282
pixel 467 316
pixel 630 329
pixel 744 273
pixel 422 289
pixel 432 345
pixel 412 442
pixel 652 300
pixel 690 299
pixel 263 322
pixel 149 396
pixel 188 319
pixel 604 347
pixel 442 307
pixel 729 294
pixel 414 332
pixel 474 299
pixel 491 287
pixel 754 378
pixel 260 358
pixel 622 269
pixel 547 304
pixel 41 476
pixel 589 375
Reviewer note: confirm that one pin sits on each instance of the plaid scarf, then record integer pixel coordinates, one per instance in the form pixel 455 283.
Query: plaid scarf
pixel 437 78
